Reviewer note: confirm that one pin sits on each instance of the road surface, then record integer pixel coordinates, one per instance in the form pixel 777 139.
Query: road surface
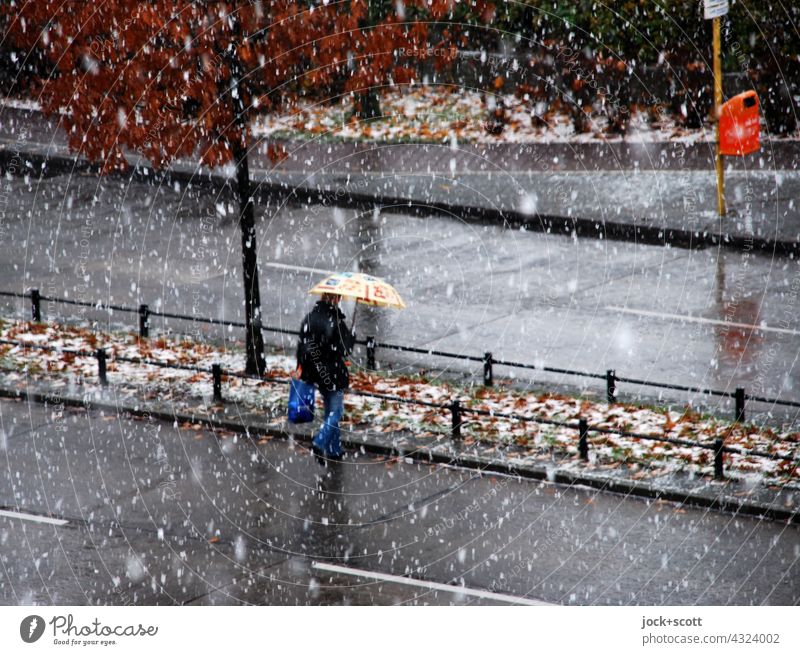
pixel 709 318
pixel 101 509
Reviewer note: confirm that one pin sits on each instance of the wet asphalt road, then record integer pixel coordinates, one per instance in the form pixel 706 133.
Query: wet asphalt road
pixel 159 513
pixel 704 318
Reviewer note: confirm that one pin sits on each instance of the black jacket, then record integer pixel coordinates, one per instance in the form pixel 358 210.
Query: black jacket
pixel 324 344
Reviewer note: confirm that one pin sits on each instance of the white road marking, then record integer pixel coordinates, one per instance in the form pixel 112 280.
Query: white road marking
pixel 438 586
pixel 302 269
pixel 699 319
pixel 32 517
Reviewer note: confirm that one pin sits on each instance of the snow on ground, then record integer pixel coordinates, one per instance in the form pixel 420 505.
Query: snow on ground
pixel 442 114
pixel 531 439
pixel 21 103
pixel 445 115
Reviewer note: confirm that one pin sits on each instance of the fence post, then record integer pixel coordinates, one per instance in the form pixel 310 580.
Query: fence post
pixel 611 385
pixel 36 306
pixel 216 372
pixel 371 353
pixel 583 439
pixel 740 398
pixel 144 321
pixel 455 409
pixel 488 374
pixel 719 471
pixel 101 366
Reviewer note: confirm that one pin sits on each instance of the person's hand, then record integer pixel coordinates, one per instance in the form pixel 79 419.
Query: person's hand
pixel 296 374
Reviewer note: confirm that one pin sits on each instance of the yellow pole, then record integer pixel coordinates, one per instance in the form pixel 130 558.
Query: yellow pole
pixel 717 105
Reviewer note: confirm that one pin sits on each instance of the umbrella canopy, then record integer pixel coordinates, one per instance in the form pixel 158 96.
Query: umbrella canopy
pixel 362 288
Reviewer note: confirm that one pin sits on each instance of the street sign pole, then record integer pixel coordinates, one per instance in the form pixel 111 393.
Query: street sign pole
pixel 714 10
pixel 717 106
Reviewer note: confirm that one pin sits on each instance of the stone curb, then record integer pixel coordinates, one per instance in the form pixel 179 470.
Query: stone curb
pixel 452 454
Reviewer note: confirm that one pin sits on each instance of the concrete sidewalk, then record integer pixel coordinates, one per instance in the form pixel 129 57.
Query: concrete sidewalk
pixel 656 193
pixel 655 207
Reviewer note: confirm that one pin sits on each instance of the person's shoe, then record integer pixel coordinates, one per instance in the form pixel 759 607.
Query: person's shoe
pixel 318 455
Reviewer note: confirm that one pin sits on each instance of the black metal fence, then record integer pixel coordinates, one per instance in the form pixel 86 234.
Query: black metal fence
pixel 612 380
pixel 456 409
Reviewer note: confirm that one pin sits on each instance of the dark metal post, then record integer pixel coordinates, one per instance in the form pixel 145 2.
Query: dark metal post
pixel 719 470
pixel 740 398
pixel 101 366
pixel 455 408
pixel 583 439
pixel 144 321
pixel 256 363
pixel 371 353
pixel 488 375
pixel 611 385
pixel 216 372
pixel 36 306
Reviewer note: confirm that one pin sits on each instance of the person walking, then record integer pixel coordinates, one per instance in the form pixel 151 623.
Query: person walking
pixel 323 346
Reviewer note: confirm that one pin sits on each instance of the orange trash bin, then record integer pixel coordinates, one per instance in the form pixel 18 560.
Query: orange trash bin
pixel 739 125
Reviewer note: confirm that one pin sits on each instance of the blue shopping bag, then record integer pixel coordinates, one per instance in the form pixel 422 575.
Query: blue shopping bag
pixel 301 401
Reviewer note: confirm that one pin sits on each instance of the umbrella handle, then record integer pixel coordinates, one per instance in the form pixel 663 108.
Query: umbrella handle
pixel 353 322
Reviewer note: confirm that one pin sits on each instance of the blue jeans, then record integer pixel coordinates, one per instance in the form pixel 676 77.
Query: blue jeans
pixel 328 438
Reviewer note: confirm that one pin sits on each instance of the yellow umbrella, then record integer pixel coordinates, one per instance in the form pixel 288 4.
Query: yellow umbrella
pixel 362 288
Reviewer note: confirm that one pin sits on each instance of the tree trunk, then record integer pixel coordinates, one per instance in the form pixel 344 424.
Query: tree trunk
pixel 368 105
pixel 254 340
